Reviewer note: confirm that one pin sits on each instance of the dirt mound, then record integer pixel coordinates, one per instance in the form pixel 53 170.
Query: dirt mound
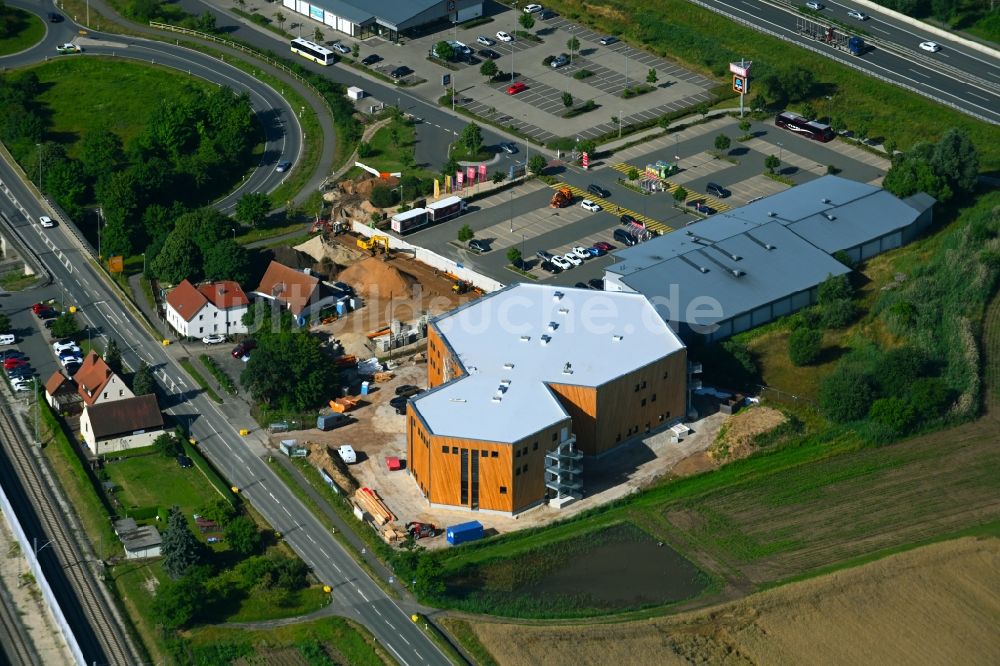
pixel 320 249
pixel 323 458
pixel 736 439
pixel 364 186
pixel 377 279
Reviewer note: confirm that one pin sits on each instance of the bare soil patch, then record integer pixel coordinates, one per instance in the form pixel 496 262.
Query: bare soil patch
pixel 376 279
pixel 736 440
pixel 937 604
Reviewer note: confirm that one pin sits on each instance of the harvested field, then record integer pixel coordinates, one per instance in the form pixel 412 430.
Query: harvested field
pixel 939 604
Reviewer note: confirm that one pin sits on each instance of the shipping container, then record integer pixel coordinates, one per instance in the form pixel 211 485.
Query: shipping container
pixel 330 421
pixel 464 532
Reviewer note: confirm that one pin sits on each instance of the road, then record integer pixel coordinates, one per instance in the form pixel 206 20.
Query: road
pixel 959 76
pixel 282 132
pixel 356 594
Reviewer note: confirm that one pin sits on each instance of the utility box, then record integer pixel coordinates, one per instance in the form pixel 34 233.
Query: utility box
pixel 291 448
pixel 465 532
pixel 355 93
pixel 331 421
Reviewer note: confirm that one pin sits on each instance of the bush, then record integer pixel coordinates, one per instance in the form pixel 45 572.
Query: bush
pixel 894 414
pixel 465 233
pixel 804 346
pixel 846 394
pixel 898 369
pixel 582 74
pixel 382 197
pixel 838 313
pixel 929 398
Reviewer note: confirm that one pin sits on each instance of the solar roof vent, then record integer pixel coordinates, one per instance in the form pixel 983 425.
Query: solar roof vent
pixel 557 296
pixel 826 200
pixel 568 369
pixel 772 214
pixel 553 326
pixel 737 272
pixel 616 338
pixel 504 383
pixel 456 399
pixel 525 338
pixel 563 311
pixel 830 217
pixel 702 269
pixel 508 366
pixel 545 339
pixel 496 399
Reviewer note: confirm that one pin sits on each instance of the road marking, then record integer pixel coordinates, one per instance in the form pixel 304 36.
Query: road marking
pixel 399 656
pixel 980 97
pixel 361 593
pixel 273 497
pixel 404 638
pixel 377 611
pixel 390 625
pixel 324 553
pixel 310 537
pixel 419 656
pixel 287 511
pixel 919 73
pixel 336 567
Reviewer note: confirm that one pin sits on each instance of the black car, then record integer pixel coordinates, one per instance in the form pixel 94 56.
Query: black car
pixel 598 191
pixel 406 389
pixel 717 190
pixel 400 72
pixel 184 461
pixel 608 41
pixel 370 60
pixel 544 255
pixel 399 402
pixel 549 267
pixel 489 54
pixel 628 219
pixel 14 353
pixel 477 245
pixel 23 372
pixel 596 283
pixel 546 14
pixel 71 368
pixel 623 236
pixel 54 18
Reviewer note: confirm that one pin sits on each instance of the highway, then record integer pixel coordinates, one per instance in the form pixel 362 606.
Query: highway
pixel 282 132
pixel 957 75
pixel 353 591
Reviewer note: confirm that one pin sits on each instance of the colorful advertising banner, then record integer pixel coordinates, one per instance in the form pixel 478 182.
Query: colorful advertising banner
pixel 470 175
pixel 447 183
pixel 482 173
pixel 458 180
pixel 586 160
pixel 437 189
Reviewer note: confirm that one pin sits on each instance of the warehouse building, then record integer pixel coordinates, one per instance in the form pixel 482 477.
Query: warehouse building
pixel 388 19
pixel 748 266
pixel 527 381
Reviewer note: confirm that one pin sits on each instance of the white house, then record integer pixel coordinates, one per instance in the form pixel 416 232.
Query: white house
pixel 97 383
pixel 140 541
pixel 215 307
pixel 121 425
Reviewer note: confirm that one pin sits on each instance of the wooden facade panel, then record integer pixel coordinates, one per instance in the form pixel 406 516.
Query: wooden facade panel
pixel 442 366
pixel 528 456
pixel 418 451
pixel 640 401
pixel 581 404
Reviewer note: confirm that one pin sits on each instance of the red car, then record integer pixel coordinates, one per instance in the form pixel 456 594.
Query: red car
pixel 12 363
pixel 40 307
pixel 516 88
pixel 601 245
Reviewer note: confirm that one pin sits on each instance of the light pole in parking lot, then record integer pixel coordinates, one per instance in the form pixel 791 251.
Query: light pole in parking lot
pixel 510 209
pixel 781 148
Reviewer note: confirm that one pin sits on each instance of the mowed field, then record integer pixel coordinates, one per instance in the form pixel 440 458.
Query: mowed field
pixel 938 604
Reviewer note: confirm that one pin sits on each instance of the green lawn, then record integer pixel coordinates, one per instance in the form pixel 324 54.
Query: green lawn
pixel 100 81
pixel 16 281
pixel 23 31
pixel 155 480
pixel 388 155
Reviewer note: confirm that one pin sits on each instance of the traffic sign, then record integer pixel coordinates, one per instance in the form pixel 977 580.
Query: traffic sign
pixel 586 160
pixel 740 85
pixel 741 68
pixel 446 80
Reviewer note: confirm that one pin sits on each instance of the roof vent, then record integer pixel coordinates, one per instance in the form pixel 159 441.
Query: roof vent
pixel 553 326
pixel 829 216
pixel 772 214
pixel 473 370
pixel 563 311
pixel 825 200
pixel 545 339
pixel 703 269
pixel 508 366
pixel 616 338
pixel 768 246
pixel 496 399
pixel 568 369
pixel 505 383
pixel 525 338
pixel 456 399
pixel 557 296
pixel 737 272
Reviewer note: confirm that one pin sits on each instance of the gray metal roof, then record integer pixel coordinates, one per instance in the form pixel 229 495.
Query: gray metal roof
pixel 699 286
pixel 514 342
pixel 394 12
pixel 355 12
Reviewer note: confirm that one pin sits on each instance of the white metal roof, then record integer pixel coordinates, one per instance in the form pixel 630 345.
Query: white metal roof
pixel 516 341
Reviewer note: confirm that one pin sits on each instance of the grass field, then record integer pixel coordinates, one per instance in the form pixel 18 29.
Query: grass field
pixel 927 605
pixel 388 155
pixel 155 480
pixel 69 79
pixel 25 30
pixel 706 41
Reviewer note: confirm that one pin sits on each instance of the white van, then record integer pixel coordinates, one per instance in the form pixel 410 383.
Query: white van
pixel 347 454
pixel 7 339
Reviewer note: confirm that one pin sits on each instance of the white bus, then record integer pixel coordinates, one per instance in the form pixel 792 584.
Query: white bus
pixel 312 51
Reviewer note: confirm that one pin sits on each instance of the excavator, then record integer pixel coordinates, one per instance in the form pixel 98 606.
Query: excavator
pixel 372 244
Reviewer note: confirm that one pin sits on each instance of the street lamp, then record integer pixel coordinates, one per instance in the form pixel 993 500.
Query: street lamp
pixel 144 264
pixel 39 146
pixel 234 236
pixel 511 209
pixel 781 149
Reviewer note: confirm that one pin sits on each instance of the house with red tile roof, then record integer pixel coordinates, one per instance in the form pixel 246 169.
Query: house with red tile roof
pixel 214 307
pixel 121 425
pixel 301 293
pixel 97 383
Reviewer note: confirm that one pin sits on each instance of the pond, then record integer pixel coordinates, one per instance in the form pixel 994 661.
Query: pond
pixel 614 569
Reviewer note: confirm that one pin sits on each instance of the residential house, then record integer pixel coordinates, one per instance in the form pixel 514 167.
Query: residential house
pixel 140 541
pixel 120 425
pixel 303 294
pixel 215 307
pixel 61 392
pixel 97 383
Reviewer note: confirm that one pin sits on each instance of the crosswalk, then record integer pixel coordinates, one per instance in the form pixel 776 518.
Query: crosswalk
pixel 625 168
pixel 650 223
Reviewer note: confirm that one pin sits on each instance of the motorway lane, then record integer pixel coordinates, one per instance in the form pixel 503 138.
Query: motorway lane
pixel 219 440
pixel 957 75
pixel 282 132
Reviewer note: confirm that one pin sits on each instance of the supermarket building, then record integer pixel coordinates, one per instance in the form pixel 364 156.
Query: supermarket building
pixel 388 18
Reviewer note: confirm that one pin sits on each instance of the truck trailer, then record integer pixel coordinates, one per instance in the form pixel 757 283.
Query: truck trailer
pixel 410 220
pixel 446 208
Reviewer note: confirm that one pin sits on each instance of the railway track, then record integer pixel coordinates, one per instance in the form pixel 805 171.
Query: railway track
pixel 106 629
pixel 15 644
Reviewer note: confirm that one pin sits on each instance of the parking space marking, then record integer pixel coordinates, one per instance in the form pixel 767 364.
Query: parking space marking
pixel 650 223
pixel 671 187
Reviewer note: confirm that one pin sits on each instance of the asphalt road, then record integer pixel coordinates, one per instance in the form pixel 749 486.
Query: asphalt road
pixel 957 75
pixel 283 135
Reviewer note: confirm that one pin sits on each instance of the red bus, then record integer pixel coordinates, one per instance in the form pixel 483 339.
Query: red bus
pixel 793 122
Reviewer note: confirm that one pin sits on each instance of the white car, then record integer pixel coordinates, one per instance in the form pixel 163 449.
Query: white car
pixel 562 263
pixel 23 386
pixel 68 47
pixel 531 9
pixel 504 37
pixel 214 339
pixel 485 41
pixel 60 347
pixel 855 14
pixel 342 48
pixel 46 221
pixel 814 5
pixel 572 258
pixel 579 252
pixel 68 360
pixel 933 47
pixel 587 204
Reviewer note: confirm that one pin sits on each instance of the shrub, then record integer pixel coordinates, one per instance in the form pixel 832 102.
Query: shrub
pixel 582 74
pixel 898 369
pixel 838 313
pixel 680 194
pixel 465 234
pixel 895 414
pixel 382 197
pixel 804 346
pixel 846 394
pixel 929 398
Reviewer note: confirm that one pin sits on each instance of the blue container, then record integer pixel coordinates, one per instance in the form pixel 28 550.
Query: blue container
pixel 364 388
pixel 464 532
pixel 341 308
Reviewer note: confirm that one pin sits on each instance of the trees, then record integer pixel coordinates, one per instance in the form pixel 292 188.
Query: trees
pixel 242 535
pixel 527 21
pixel 289 370
pixel 355 50
pixel 101 153
pixel 113 356
pixel 944 169
pixel 177 602
pixel 633 174
pixel 365 149
pixel 588 146
pixel 181 551
pixel 280 19
pixel 168 445
pixel 143 382
pixel 804 346
pixel 472 138
pixel 573 44
pixel 771 162
pixel 567 100
pixel 227 260
pixel 382 197
pixel 956 160
pixel 252 209
pixel 536 164
pixel 895 414
pixel 443 50
pixel 680 194
pixel 65 326
pixel 465 233
pixel 318 35
pixel 722 143
pixel 177 260
pixel 489 69
pixel 514 256
pixel 745 126
pixel 651 76
pixel 834 300
pixel 846 394
pixel 498 177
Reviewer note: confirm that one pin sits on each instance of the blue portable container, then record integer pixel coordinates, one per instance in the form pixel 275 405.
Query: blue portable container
pixel 464 532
